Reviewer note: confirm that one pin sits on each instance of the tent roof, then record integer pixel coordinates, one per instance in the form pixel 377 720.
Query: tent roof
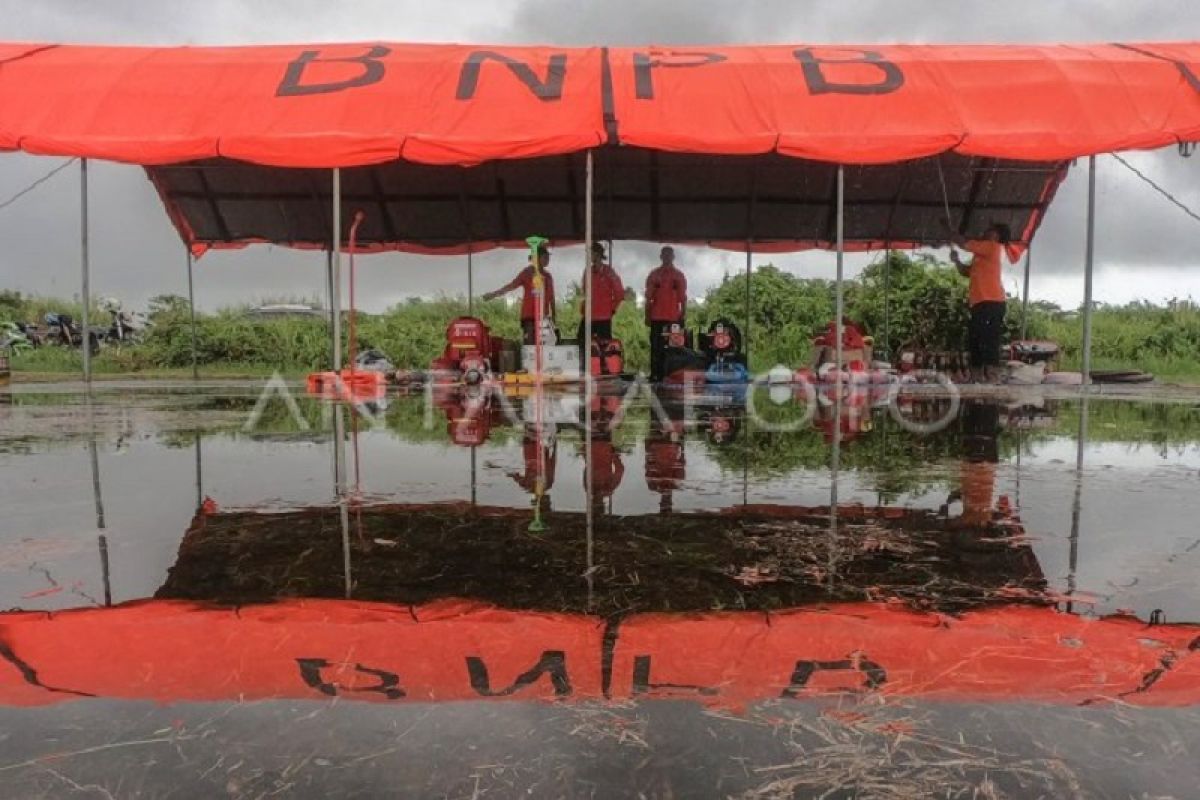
pixel 450 146
pixel 355 104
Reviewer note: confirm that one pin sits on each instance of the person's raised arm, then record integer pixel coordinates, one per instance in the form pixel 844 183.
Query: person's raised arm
pixel 506 288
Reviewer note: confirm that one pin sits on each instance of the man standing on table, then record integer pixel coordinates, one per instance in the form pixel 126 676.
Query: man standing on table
pixel 986 299
pixel 524 280
pixel 666 304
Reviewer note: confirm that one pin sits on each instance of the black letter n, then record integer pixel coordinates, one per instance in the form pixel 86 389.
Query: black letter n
pixel 552 661
pixel 372 72
pixel 814 75
pixel 549 89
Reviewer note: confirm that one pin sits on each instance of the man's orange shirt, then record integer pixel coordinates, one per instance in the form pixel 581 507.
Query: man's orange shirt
pixel 986 286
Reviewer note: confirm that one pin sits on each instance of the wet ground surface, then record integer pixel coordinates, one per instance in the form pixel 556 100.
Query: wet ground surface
pixel 212 592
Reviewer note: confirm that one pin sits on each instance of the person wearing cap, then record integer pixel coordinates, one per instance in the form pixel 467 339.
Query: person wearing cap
pixel 608 292
pixel 986 298
pixel 524 281
pixel 666 305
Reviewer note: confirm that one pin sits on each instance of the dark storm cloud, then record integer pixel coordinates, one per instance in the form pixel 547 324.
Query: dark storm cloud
pixel 136 253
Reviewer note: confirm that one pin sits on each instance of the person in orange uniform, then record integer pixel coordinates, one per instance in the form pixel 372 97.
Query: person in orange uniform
pixel 524 281
pixel 666 304
pixel 986 299
pixel 608 292
pixel 981 424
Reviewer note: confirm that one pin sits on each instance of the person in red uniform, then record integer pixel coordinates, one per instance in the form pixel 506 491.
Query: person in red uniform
pixel 986 299
pixel 608 292
pixel 524 281
pixel 666 304
pixel 666 464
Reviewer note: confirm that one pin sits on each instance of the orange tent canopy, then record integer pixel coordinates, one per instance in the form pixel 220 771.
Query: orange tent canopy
pixel 344 105
pixel 446 146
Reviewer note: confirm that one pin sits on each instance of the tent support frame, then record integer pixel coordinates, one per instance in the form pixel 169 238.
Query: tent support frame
pixel 1025 293
pixel 336 259
pixel 192 312
pixel 85 339
pixel 746 333
pixel 1089 261
pixel 586 363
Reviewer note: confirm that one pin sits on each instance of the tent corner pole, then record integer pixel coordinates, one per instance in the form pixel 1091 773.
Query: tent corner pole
pixel 85 339
pixel 1089 262
pixel 839 304
pixel 336 239
pixel 192 312
pixel 887 301
pixel 470 282
pixel 1025 293
pixel 746 333
pixel 586 362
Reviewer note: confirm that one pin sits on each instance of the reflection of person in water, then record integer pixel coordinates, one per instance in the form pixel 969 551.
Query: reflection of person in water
pixel 666 466
pixel 981 423
pixel 530 451
pixel 605 467
pixel 605 470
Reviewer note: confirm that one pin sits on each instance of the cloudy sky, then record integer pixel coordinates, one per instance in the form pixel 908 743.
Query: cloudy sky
pixel 1146 248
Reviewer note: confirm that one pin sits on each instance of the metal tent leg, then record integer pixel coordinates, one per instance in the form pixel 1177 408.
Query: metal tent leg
pixel 586 360
pixel 192 313
pixel 1025 294
pixel 746 333
pixel 1088 263
pixel 336 239
pixel 85 267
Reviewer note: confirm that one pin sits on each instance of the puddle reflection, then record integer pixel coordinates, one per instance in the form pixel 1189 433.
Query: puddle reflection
pixel 760 569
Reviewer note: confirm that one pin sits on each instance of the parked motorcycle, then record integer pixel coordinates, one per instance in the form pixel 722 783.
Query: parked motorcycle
pixel 62 329
pixel 125 327
pixel 13 338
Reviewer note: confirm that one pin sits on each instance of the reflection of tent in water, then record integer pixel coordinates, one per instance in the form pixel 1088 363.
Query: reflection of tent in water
pixel 459 650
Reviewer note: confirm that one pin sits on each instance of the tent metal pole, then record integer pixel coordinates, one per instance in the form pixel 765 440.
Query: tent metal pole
pixel 470 284
pixel 586 361
pixel 746 333
pixel 839 303
pixel 1089 260
pixel 1025 294
pixel 199 471
pixel 887 302
pixel 192 313
pixel 1077 505
pixel 329 287
pixel 835 458
pixel 105 574
pixel 98 496
pixel 336 239
pixel 85 266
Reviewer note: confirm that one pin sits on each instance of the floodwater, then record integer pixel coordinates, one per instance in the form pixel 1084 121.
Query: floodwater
pixel 214 592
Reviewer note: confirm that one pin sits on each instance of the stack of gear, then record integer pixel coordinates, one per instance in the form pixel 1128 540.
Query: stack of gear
pixel 607 358
pixel 856 347
pixel 472 354
pixel 722 347
pixel 680 360
pixel 719 359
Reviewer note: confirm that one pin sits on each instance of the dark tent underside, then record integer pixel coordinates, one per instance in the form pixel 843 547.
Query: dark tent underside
pixel 774 202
